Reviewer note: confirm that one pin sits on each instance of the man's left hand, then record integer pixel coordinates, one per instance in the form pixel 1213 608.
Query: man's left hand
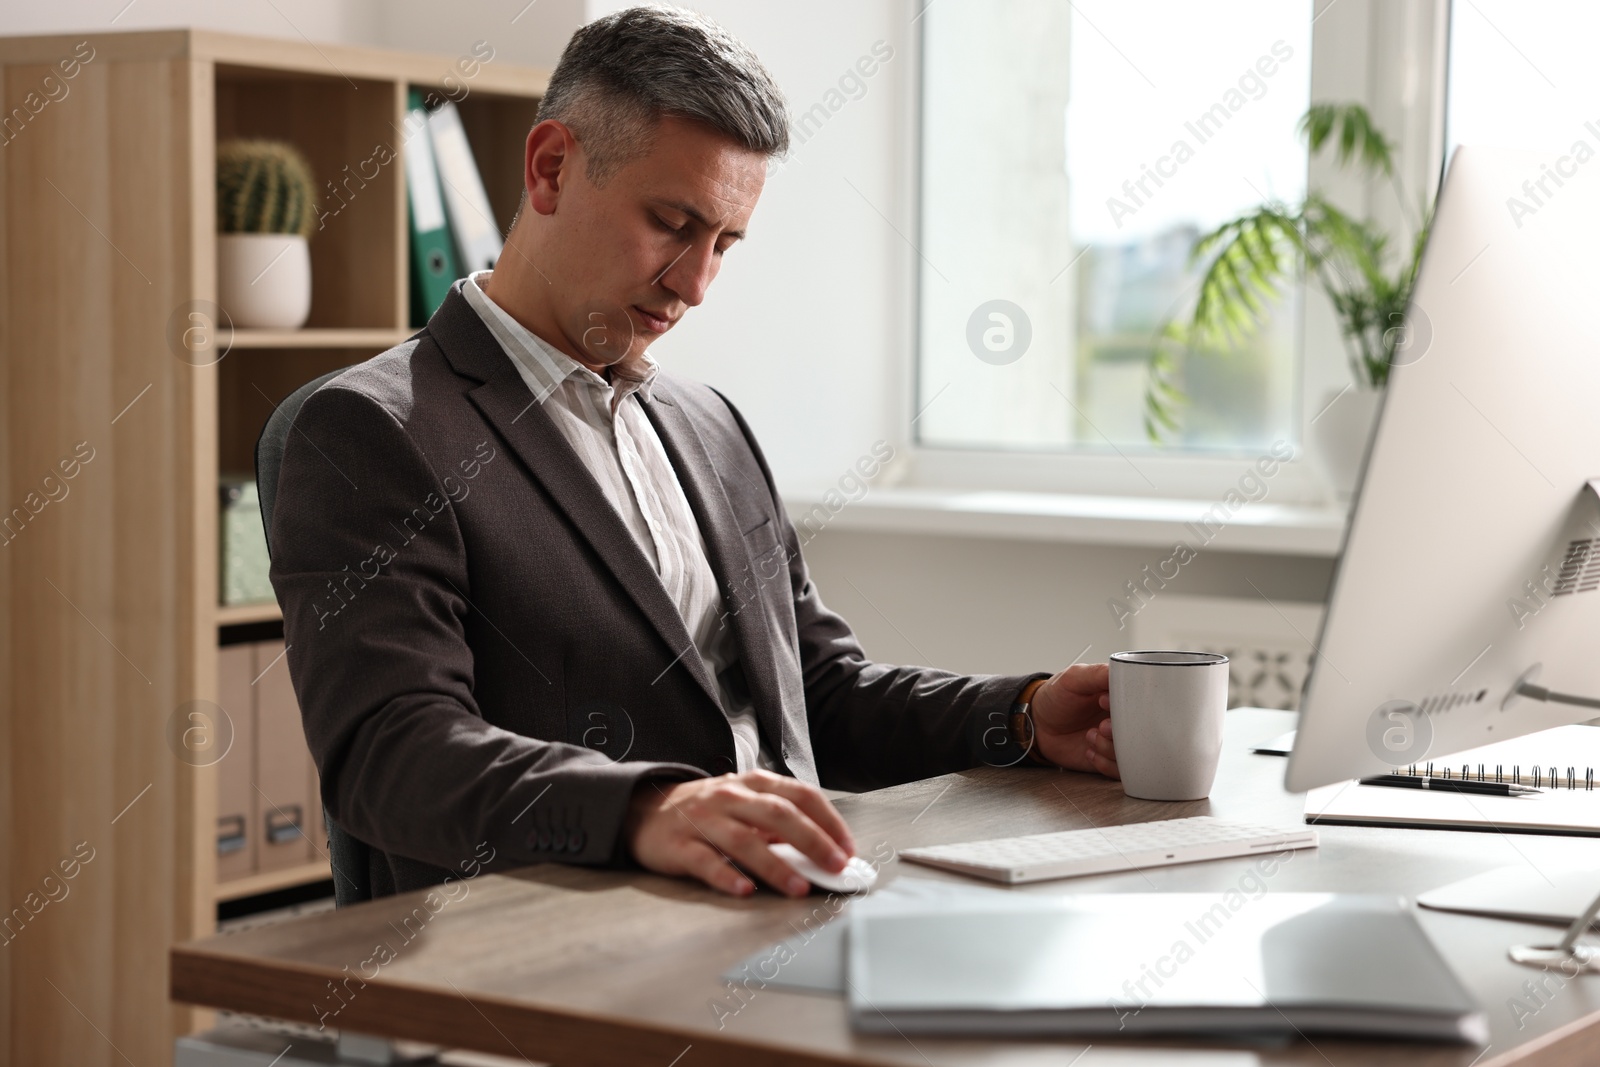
pixel 1072 719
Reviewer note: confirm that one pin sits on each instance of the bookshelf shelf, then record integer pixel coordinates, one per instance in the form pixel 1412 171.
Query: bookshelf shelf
pixel 271 881
pixel 244 614
pixel 375 340
pixel 110 599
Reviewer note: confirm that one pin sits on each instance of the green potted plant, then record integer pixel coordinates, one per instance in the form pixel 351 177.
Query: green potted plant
pixel 265 213
pixel 1252 259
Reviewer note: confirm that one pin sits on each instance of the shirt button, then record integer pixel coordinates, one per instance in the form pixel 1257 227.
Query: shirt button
pixel 575 839
pixel 542 840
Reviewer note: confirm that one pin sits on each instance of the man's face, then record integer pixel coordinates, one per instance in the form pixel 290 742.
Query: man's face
pixel 628 258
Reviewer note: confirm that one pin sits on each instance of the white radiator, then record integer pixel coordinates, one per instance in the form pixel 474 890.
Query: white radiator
pixel 1269 646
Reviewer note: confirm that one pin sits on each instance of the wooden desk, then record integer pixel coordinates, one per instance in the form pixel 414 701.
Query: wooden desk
pixel 583 967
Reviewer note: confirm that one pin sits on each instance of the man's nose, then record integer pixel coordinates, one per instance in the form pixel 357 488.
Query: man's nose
pixel 689 276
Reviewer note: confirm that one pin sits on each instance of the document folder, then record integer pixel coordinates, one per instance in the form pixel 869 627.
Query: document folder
pixel 434 267
pixel 1282 964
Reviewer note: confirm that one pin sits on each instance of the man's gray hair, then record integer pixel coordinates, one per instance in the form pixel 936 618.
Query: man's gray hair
pixel 620 74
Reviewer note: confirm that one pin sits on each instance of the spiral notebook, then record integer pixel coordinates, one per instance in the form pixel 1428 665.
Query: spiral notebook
pixel 1563 763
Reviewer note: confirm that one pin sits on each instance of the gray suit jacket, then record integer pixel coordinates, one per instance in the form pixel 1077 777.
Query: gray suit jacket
pixel 486 662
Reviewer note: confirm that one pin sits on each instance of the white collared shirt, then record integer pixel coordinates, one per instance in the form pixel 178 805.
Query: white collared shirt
pixel 607 426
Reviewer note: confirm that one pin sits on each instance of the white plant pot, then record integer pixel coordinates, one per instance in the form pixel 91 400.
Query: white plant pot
pixel 264 279
pixel 1340 434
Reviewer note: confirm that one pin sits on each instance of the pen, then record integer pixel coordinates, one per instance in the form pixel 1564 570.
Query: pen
pixel 1448 785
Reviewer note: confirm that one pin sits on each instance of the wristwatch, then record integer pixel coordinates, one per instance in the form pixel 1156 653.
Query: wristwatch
pixel 1021 723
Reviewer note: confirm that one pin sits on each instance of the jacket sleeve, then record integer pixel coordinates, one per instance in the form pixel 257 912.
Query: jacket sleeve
pixel 874 724
pixel 380 663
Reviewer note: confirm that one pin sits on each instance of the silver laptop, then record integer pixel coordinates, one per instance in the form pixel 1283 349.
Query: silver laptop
pixel 1150 963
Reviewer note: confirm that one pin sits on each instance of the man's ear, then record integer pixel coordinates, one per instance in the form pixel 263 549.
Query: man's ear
pixel 549 158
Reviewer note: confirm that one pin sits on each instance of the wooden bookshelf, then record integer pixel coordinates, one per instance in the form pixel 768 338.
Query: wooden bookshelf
pixel 108 595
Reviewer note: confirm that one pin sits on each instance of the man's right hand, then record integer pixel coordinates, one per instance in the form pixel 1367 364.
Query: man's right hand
pixel 715 828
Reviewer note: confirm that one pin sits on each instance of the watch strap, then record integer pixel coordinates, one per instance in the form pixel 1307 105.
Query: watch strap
pixel 1022 725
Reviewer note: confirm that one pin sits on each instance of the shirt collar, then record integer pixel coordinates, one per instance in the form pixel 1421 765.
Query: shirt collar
pixel 546 366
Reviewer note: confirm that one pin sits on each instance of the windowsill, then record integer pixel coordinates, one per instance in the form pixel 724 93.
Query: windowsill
pixel 1278 529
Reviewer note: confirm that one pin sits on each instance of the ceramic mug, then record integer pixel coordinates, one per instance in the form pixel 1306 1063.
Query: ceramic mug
pixel 1166 721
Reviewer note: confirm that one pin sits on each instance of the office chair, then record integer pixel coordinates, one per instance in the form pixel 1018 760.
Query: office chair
pixel 349 858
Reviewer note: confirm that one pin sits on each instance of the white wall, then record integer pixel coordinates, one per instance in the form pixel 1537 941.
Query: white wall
pixel 983 606
pixel 525 32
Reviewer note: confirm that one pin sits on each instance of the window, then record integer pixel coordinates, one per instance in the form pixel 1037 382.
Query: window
pixel 1071 154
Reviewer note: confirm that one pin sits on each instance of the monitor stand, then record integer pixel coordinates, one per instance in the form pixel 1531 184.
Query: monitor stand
pixel 1567 954
pixel 1526 687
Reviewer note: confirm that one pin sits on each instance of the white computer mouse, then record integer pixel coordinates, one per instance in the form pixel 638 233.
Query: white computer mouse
pixel 858 875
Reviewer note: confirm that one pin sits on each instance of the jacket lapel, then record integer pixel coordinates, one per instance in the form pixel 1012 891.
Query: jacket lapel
pixel 729 557
pixel 505 401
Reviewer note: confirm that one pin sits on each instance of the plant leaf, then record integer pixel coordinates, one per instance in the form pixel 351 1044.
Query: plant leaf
pixel 1358 137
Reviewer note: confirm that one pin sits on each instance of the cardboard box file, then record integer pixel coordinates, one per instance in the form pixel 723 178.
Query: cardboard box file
pixel 236 829
pixel 269 804
pixel 283 795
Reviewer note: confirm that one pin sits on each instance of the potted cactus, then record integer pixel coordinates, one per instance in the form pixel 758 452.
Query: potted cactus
pixel 265 213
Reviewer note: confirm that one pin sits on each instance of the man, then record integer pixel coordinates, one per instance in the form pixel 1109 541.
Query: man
pixel 542 601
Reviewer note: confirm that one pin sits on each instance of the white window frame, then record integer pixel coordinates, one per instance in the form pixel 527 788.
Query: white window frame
pixel 1387 54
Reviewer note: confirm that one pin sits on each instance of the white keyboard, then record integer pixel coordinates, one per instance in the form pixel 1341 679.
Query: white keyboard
pixel 1097 850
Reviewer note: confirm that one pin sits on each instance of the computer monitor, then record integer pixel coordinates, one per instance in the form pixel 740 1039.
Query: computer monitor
pixel 1465 606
